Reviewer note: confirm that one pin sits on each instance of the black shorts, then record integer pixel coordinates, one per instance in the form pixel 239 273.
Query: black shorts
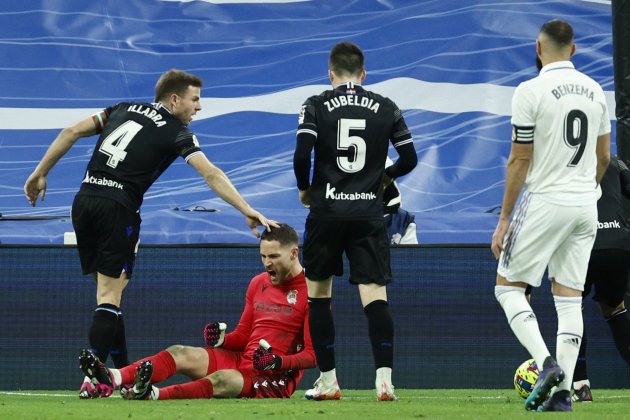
pixel 364 242
pixel 107 235
pixel 608 271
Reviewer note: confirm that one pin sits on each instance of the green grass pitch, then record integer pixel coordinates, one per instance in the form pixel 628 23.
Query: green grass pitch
pixel 356 404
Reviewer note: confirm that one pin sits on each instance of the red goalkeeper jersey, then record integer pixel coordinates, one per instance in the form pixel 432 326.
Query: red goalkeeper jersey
pixel 279 314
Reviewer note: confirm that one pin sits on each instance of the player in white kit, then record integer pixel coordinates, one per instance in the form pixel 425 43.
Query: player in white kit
pixel 560 151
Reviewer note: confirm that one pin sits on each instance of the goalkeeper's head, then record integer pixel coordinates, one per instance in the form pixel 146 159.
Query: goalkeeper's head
pixel 284 234
pixel 279 253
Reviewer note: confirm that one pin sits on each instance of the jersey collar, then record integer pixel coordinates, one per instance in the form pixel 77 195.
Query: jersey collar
pixel 160 105
pixel 349 88
pixel 557 65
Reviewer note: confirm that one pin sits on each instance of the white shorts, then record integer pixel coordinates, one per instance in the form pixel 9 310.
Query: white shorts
pixel 543 235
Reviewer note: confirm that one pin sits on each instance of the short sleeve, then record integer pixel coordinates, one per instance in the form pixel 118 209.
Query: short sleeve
pixel 523 115
pixel 307 121
pixel 400 134
pixel 604 127
pixel 186 144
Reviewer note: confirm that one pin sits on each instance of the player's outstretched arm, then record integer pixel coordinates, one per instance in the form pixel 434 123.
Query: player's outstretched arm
pixel 35 186
pixel 218 181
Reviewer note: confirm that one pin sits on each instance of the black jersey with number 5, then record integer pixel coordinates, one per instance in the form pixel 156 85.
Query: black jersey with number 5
pixel 137 143
pixel 353 128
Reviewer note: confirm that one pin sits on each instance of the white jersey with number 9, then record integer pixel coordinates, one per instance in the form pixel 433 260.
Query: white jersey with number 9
pixel 562 112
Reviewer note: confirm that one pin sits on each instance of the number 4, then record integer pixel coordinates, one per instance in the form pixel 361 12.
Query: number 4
pixel 116 142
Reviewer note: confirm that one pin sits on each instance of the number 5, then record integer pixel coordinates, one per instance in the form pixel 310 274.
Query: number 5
pixel 345 141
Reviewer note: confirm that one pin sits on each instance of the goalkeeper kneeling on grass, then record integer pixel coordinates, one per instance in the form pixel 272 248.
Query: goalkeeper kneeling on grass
pixel 264 357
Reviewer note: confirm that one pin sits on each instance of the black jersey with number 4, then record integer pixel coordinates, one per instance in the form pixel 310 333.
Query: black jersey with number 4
pixel 613 226
pixel 353 128
pixel 137 143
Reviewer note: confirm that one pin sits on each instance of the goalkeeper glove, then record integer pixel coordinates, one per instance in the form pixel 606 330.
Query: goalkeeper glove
pixel 214 334
pixel 266 360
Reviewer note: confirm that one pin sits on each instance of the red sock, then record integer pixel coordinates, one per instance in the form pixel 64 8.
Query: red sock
pixel 201 388
pixel 163 368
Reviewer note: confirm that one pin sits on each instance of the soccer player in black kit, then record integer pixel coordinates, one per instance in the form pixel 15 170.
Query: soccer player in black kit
pixel 349 129
pixel 608 269
pixel 137 142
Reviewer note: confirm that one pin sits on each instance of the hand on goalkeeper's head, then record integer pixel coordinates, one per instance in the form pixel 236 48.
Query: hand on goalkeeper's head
pixel 214 334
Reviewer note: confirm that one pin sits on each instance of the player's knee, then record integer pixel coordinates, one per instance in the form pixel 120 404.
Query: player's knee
pixel 218 380
pixel 372 292
pixel 182 355
pixel 176 350
pixel 501 293
pixel 380 323
pixel 224 384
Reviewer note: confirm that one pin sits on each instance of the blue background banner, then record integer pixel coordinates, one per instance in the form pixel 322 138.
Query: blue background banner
pixel 450 65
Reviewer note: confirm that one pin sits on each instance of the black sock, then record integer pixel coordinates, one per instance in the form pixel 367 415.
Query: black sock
pixel 580 373
pixel 381 329
pixel 103 330
pixel 322 332
pixel 119 347
pixel 620 326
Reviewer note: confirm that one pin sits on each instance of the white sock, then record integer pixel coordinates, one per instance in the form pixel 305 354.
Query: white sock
pixel 117 376
pixel 329 377
pixel 579 384
pixel 383 375
pixel 523 321
pixel 570 329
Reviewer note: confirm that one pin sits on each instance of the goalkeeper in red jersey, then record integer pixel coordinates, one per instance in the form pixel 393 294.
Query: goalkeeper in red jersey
pixel 264 357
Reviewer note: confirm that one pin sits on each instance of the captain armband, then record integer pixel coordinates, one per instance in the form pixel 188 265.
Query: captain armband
pixel 522 135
